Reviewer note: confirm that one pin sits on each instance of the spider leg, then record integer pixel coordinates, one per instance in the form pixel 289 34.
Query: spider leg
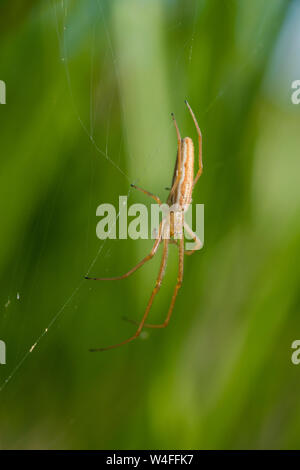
pixel 196 239
pixel 178 163
pixel 150 302
pixel 137 266
pixel 177 287
pixel 199 172
pixel 148 193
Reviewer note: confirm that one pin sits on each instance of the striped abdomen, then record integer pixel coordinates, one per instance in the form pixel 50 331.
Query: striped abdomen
pixel 182 194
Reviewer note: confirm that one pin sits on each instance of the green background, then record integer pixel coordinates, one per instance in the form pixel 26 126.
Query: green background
pixel 90 88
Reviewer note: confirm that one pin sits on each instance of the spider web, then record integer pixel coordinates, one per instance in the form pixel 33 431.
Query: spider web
pixel 61 12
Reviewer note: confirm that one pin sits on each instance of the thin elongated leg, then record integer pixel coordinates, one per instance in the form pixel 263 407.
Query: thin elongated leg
pixel 178 162
pixel 148 193
pixel 154 292
pixel 136 267
pixel 199 172
pixel 196 239
pixel 177 287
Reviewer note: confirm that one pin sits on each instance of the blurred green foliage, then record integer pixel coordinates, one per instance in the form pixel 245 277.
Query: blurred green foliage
pixel 90 88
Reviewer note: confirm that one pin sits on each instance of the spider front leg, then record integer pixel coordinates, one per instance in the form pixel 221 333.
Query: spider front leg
pixel 176 177
pixel 154 292
pixel 199 172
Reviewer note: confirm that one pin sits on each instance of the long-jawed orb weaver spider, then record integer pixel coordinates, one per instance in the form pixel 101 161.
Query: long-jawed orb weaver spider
pixel 171 227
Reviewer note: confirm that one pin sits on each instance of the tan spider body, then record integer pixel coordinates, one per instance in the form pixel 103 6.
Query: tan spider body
pixel 172 225
pixel 182 193
pixel 180 196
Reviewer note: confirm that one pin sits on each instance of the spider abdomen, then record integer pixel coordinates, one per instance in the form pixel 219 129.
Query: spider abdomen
pixel 182 196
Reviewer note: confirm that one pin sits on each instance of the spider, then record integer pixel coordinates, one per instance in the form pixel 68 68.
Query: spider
pixel 171 227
